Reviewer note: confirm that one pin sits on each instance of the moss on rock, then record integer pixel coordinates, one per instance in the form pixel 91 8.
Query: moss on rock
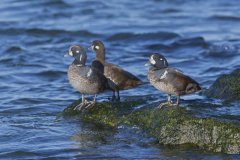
pixel 226 87
pixel 178 126
pixel 106 113
pixel 170 126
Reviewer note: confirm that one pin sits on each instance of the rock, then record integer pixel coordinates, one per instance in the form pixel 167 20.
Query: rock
pixel 226 87
pixel 105 113
pixel 178 126
pixel 170 126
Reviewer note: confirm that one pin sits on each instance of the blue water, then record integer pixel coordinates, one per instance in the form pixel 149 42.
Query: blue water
pixel 201 38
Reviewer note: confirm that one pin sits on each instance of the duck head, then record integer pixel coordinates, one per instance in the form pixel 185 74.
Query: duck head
pixel 159 61
pixel 78 53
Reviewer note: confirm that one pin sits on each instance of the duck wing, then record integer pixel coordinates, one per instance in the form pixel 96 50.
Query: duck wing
pixel 181 83
pixel 120 77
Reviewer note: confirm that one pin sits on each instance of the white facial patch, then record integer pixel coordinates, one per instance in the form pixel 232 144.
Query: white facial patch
pixel 152 61
pixel 164 75
pixel 77 51
pixel 70 53
pixel 97 47
pixel 161 59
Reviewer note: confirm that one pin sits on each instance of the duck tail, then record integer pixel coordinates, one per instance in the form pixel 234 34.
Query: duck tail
pixel 193 87
pixel 132 84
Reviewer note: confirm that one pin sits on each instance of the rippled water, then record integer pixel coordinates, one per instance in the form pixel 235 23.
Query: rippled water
pixel 199 37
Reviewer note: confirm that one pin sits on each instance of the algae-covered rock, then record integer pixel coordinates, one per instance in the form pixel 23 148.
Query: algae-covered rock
pixel 106 113
pixel 170 126
pixel 178 126
pixel 226 87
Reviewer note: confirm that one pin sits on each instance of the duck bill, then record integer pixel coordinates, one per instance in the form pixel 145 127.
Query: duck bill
pixel 90 48
pixel 68 54
pixel 147 64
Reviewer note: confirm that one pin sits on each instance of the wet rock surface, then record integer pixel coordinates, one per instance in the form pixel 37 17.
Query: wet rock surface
pixel 226 87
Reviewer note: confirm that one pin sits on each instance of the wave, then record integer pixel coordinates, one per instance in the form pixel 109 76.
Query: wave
pixel 143 36
pixel 213 69
pixel 221 51
pixel 51 74
pixel 157 47
pixel 14 49
pixel 57 3
pixel 47 32
pixel 170 10
pixel 19 153
pixel 225 17
pixel 180 42
pixel 55 32
pixel 193 41
pixel 28 100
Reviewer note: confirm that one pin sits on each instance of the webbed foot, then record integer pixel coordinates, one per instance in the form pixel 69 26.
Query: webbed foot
pixel 168 103
pixel 85 104
pixel 80 106
pixel 90 104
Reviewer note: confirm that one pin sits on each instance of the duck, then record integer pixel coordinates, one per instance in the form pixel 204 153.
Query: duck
pixel 118 78
pixel 85 79
pixel 170 80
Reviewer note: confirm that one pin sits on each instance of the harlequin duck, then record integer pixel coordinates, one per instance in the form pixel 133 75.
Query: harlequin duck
pixel 118 79
pixel 170 80
pixel 86 79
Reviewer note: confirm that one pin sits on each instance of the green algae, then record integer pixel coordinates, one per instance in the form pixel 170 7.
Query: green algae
pixel 106 113
pixel 177 126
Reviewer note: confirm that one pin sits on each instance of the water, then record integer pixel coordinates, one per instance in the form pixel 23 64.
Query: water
pixel 200 38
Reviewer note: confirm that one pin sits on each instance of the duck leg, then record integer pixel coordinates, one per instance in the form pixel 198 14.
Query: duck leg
pixel 169 102
pixel 169 99
pixel 92 103
pixel 118 97
pixel 178 101
pixel 113 96
pixel 79 106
